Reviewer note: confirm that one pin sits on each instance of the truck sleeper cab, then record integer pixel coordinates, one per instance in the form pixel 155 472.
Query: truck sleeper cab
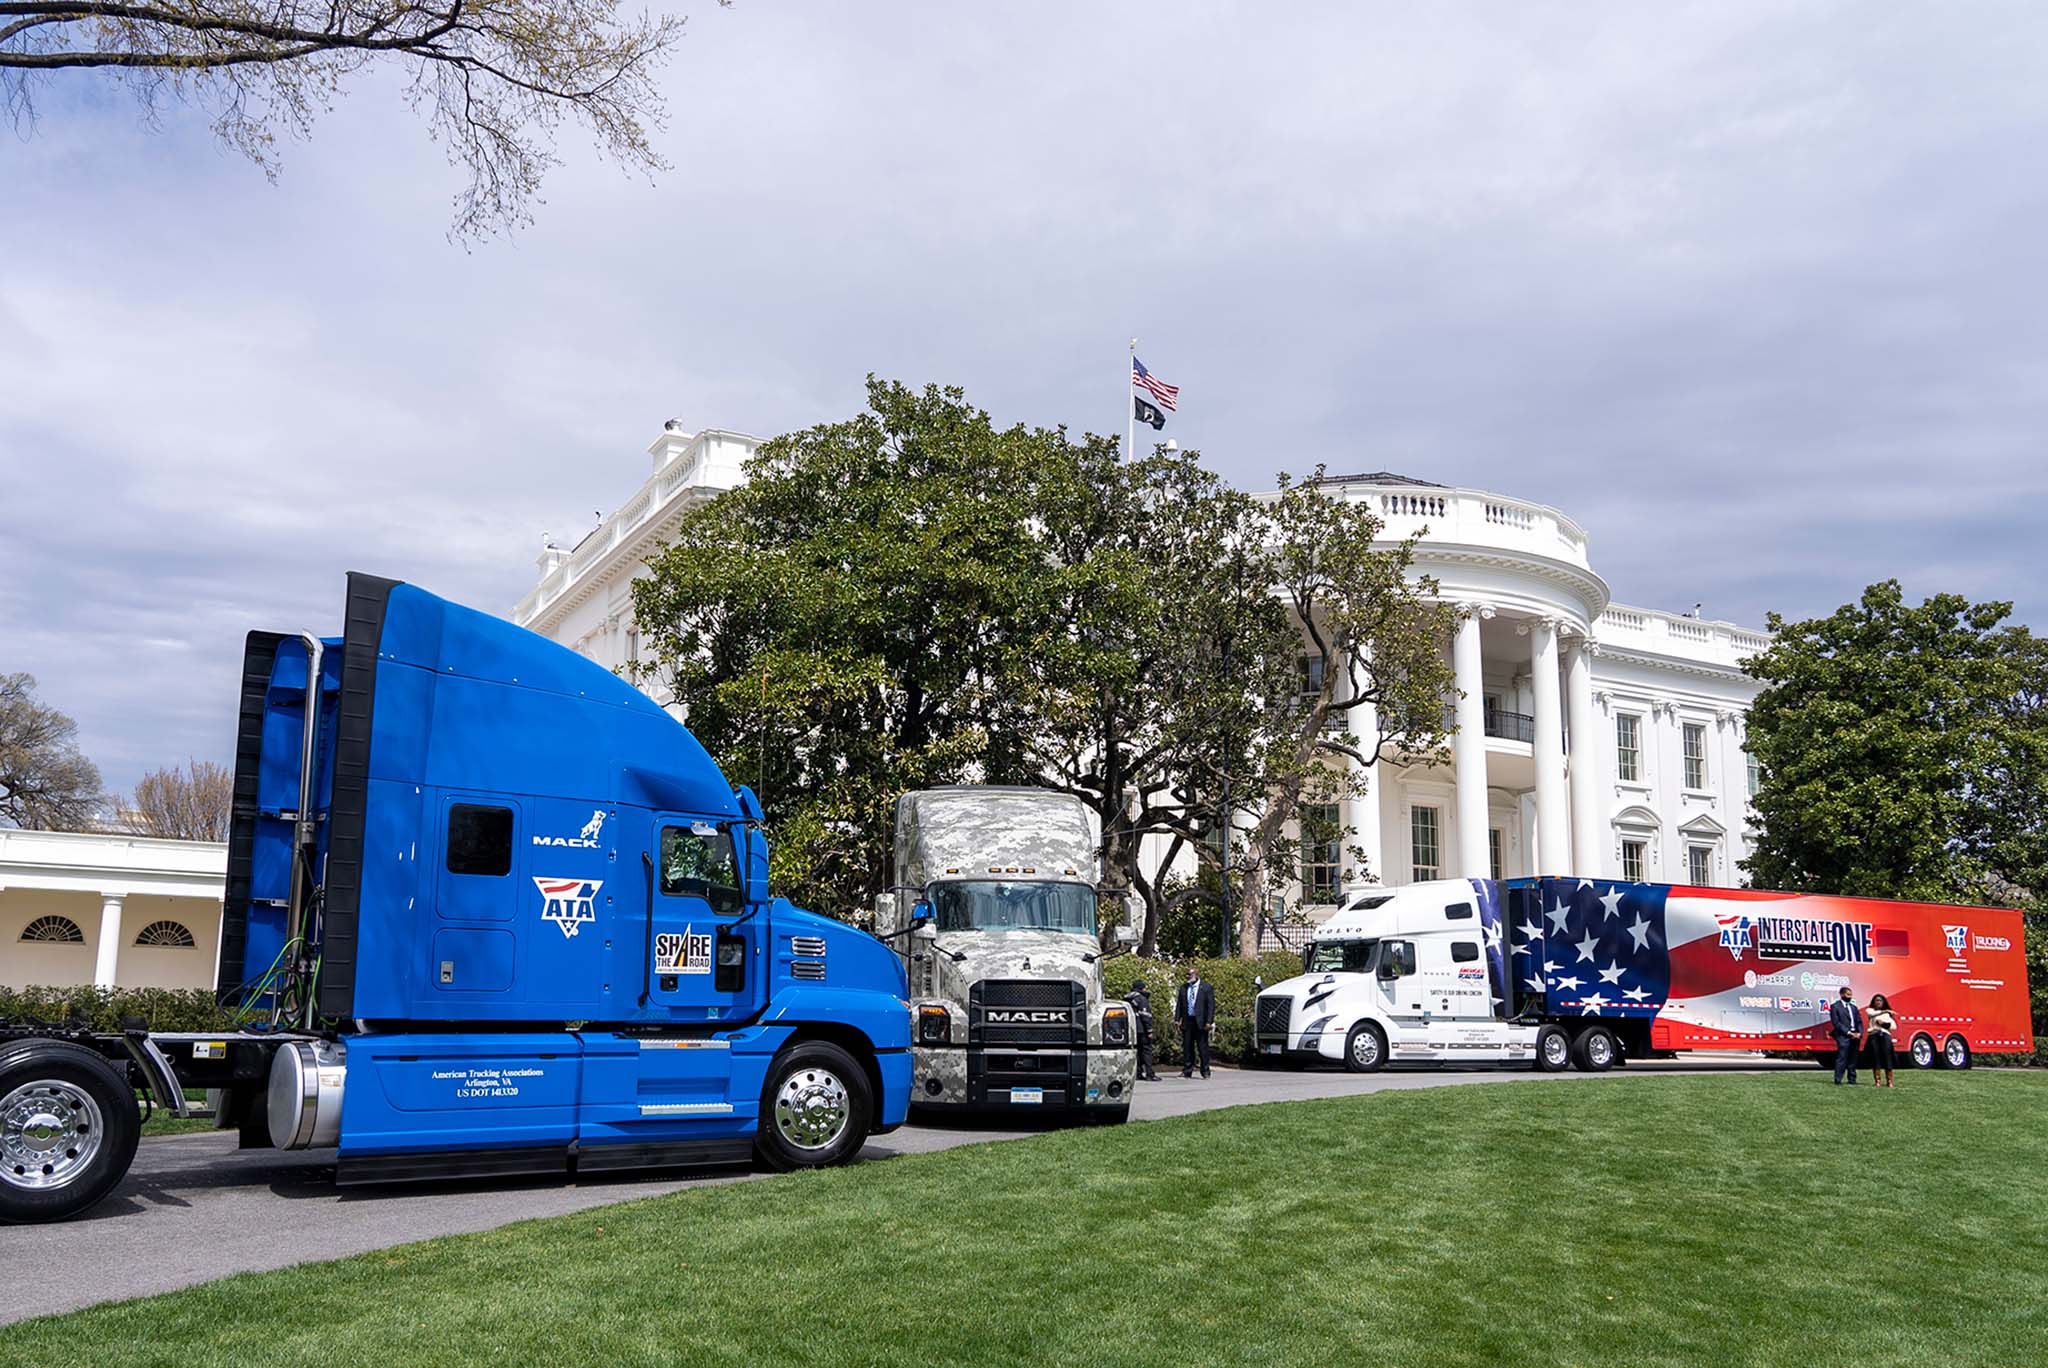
pixel 489 910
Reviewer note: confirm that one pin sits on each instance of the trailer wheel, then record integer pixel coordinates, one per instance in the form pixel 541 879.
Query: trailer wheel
pixel 1955 1053
pixel 1365 1049
pixel 815 1107
pixel 1596 1049
pixel 1553 1050
pixel 68 1127
pixel 1922 1051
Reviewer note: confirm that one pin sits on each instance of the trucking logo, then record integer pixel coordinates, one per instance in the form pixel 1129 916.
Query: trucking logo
pixel 568 903
pixel 1007 1016
pixel 1958 938
pixel 586 839
pixel 1993 943
pixel 684 952
pixel 1734 935
pixel 1811 938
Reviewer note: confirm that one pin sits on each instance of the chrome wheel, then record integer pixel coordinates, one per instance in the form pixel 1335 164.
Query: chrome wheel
pixel 50 1132
pixel 1599 1050
pixel 1365 1049
pixel 1956 1052
pixel 1923 1052
pixel 811 1108
pixel 1557 1050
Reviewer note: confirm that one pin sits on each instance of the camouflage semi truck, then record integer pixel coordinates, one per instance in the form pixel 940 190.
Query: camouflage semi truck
pixel 993 909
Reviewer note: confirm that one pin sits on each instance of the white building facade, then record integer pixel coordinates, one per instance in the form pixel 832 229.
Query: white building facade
pixel 118 911
pixel 1591 738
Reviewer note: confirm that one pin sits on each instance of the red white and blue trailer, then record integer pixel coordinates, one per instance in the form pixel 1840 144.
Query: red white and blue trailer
pixel 1556 971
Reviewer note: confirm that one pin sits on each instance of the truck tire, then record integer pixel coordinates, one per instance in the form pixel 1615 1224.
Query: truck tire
pixel 815 1107
pixel 68 1127
pixel 1365 1049
pixel 1596 1049
pixel 1553 1050
pixel 1955 1053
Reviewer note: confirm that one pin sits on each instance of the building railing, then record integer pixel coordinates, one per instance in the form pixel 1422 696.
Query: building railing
pixel 1473 516
pixel 1510 726
pixel 1677 634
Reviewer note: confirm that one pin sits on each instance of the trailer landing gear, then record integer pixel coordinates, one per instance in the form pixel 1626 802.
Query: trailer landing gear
pixel 68 1127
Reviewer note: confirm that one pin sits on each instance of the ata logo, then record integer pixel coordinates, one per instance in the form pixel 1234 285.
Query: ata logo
pixel 1734 935
pixel 586 839
pixel 568 903
pixel 1958 938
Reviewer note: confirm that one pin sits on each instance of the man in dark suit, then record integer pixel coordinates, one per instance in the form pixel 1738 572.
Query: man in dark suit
pixel 1194 1007
pixel 1845 1020
pixel 1140 999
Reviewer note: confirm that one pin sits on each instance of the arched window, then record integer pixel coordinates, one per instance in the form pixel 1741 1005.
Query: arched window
pixel 165 933
pixel 53 930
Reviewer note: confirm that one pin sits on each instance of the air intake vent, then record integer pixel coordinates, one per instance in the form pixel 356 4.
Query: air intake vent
pixel 807 969
pixel 807 945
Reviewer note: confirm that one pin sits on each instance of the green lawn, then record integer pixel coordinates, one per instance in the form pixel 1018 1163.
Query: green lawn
pixel 162 1122
pixel 1622 1220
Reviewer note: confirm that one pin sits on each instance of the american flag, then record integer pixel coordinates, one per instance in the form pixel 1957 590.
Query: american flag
pixel 1152 385
pixel 1593 948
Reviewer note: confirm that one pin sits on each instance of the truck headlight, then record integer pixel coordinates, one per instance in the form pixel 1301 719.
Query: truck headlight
pixel 1116 1026
pixel 934 1025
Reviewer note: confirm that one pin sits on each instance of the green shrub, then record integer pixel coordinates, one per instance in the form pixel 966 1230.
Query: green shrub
pixel 105 1009
pixel 1231 979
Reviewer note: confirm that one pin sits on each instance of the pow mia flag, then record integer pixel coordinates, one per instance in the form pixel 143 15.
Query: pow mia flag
pixel 1146 413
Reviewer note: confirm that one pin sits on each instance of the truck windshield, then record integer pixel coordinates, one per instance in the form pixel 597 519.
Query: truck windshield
pixel 1342 957
pixel 1003 906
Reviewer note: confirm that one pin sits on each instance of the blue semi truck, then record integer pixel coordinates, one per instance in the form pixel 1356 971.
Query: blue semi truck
pixel 489 910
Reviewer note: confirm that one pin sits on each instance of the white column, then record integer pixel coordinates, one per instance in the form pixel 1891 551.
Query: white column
pixel 1586 769
pixel 1468 744
pixel 1553 849
pixel 1362 811
pixel 110 941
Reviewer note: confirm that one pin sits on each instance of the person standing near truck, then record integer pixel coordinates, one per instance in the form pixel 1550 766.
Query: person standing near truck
pixel 1883 1056
pixel 1194 1006
pixel 1847 1024
pixel 1140 999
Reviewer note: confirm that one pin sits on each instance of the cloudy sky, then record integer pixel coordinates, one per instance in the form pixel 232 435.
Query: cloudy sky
pixel 1755 292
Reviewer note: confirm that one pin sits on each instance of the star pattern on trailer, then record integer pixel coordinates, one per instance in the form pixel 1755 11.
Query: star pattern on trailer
pixel 1609 929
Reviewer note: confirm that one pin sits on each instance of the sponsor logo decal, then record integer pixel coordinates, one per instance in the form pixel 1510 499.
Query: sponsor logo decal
pixel 1734 935
pixel 1757 1002
pixel 1784 978
pixel 586 839
pixel 1020 1016
pixel 684 952
pixel 1813 938
pixel 1992 943
pixel 1958 938
pixel 1786 1004
pixel 568 903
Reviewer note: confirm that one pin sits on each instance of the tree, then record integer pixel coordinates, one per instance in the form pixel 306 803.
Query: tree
pixel 1903 752
pixel 847 624
pixel 496 77
pixel 45 783
pixel 1362 632
pixel 189 804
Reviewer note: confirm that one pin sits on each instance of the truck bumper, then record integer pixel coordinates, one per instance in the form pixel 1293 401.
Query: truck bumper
pixel 1003 1077
pixel 1301 1047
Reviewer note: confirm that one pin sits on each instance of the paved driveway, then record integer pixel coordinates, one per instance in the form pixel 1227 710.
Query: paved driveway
pixel 194 1208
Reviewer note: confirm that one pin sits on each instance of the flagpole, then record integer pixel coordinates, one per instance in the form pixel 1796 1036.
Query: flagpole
pixel 1130 410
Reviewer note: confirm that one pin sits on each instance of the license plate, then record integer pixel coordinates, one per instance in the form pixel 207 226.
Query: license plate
pixel 1270 1049
pixel 1033 1095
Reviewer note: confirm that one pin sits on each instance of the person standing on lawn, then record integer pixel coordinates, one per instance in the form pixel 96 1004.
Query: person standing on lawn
pixel 1140 999
pixel 1884 1055
pixel 1194 1007
pixel 1845 1021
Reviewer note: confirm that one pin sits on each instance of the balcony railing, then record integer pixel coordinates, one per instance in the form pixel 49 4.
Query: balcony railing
pixel 1510 726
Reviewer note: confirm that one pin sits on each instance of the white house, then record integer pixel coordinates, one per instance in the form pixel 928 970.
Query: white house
pixel 1592 738
pixel 127 911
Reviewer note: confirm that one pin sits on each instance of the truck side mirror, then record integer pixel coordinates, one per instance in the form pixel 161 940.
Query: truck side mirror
pixel 921 923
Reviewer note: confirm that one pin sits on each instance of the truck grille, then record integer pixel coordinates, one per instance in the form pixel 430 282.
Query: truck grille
pixel 1273 1013
pixel 1036 996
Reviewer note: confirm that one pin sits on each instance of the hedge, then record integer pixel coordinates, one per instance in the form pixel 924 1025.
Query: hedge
pixel 1235 993
pixel 108 1009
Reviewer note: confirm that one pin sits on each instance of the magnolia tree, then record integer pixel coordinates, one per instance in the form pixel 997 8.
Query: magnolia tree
pixel 916 596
